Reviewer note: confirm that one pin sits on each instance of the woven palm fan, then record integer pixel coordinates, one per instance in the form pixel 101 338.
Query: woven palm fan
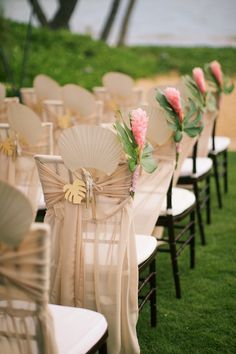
pixel 90 147
pixel 25 122
pixel 158 131
pixel 79 100
pixel 46 88
pixel 16 214
pixel 118 84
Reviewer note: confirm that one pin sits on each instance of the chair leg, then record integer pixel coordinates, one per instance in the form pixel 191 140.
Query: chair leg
pixel 199 214
pixel 208 204
pixel 192 241
pixel 225 176
pixel 153 303
pixel 217 181
pixel 103 349
pixel 174 261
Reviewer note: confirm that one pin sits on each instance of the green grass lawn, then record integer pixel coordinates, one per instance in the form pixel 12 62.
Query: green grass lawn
pixel 204 320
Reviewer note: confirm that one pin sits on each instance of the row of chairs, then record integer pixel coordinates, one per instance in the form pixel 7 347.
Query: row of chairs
pixel 145 249
pixel 74 103
pixel 146 200
pixel 192 173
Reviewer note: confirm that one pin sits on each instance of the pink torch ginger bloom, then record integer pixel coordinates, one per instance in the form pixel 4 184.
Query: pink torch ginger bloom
pixel 199 78
pixel 173 97
pixel 139 123
pixel 216 71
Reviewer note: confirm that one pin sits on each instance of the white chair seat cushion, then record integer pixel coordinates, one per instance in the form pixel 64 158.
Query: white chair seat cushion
pixel 203 165
pixel 145 246
pixel 77 330
pixel 182 199
pixel 41 204
pixel 221 144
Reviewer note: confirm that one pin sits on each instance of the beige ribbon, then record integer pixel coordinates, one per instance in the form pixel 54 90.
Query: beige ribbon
pixel 24 277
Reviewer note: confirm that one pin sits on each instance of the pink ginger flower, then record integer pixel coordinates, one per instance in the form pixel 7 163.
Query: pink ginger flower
pixel 173 97
pixel 135 178
pixel 139 123
pixel 199 78
pixel 216 71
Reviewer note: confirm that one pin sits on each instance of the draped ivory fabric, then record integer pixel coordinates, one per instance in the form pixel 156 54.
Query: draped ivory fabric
pixel 26 325
pixel 94 263
pixel 203 141
pixel 186 148
pixel 21 171
pixel 152 188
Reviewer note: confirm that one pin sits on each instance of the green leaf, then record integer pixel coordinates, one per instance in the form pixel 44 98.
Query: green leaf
pixel 127 144
pixel 210 102
pixel 228 88
pixel 148 163
pixel 194 131
pixel 191 110
pixel 132 165
pixel 195 122
pixel 148 149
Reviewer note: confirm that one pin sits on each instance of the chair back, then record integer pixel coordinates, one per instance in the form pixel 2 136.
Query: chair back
pixel 118 84
pixel 46 88
pixel 152 188
pixel 26 325
pixel 185 147
pixel 3 107
pixel 89 208
pixel 119 94
pixel 20 140
pixel 29 98
pixel 209 119
pixel 80 103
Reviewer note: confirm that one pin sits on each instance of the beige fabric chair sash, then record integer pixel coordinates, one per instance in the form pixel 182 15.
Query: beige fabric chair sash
pixel 94 262
pixel 152 189
pixel 185 150
pixel 25 323
pixel 208 122
pixel 17 166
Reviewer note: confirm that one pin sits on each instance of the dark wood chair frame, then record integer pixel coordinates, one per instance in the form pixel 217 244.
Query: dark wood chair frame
pixel 220 168
pixel 180 230
pixel 147 286
pixel 202 189
pixel 100 346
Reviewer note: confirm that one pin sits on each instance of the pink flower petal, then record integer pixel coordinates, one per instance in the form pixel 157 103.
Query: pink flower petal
pixel 173 97
pixel 199 78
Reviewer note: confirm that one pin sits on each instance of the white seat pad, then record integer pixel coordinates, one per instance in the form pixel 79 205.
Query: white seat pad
pixel 203 165
pixel 41 204
pixel 221 144
pixel 145 246
pixel 77 330
pixel 182 199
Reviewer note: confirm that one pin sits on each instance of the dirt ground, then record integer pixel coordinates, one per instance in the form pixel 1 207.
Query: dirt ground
pixel 226 124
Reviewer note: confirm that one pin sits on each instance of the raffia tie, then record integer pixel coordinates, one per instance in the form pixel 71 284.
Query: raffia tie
pixel 114 186
pixel 24 277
